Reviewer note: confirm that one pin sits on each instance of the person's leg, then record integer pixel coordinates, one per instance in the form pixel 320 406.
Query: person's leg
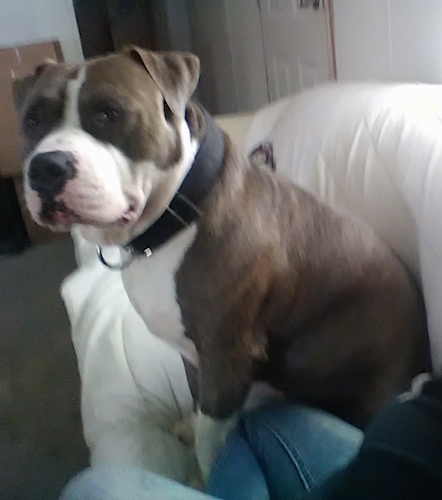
pixel 281 451
pixel 119 482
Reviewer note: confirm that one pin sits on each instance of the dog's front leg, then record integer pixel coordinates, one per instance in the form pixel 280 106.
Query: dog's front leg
pixel 211 435
pixel 223 385
pixel 231 340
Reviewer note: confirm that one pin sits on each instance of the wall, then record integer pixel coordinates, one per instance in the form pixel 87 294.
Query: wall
pixel 389 39
pixel 28 21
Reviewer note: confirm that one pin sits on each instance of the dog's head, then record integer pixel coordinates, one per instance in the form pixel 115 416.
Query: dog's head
pixel 105 142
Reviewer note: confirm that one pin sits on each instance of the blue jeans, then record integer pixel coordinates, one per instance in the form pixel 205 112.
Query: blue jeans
pixel 277 452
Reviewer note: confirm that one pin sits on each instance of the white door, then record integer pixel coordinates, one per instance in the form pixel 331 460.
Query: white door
pixel 256 51
pixel 297 45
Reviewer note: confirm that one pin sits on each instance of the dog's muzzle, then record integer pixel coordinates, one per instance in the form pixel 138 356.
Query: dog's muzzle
pixel 49 172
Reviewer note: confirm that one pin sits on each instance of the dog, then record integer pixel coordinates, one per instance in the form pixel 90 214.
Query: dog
pixel 249 276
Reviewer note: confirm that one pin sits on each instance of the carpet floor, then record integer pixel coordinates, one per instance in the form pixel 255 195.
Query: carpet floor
pixel 41 443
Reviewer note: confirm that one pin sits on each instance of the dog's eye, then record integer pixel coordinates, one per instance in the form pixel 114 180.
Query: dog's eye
pixel 105 116
pixel 32 120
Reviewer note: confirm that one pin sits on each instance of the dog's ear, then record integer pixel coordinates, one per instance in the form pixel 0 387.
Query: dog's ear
pixel 175 73
pixel 22 86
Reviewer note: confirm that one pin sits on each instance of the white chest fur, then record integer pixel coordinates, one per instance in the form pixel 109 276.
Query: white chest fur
pixel 150 285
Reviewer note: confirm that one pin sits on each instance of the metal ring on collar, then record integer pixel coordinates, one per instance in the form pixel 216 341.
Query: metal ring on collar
pixel 117 266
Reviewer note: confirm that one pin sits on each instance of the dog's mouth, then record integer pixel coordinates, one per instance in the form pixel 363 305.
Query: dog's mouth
pixel 58 216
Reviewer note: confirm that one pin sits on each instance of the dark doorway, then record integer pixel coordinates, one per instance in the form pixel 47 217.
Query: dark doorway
pixel 108 25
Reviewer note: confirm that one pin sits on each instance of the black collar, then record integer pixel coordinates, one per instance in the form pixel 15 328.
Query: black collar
pixel 185 205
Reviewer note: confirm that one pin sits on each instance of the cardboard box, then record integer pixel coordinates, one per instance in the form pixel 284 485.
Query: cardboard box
pixel 16 62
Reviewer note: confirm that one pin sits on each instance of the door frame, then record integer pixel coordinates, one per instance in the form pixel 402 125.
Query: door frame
pixel 329 12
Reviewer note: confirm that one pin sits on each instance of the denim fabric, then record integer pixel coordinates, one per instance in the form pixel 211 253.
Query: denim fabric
pixel 241 479
pixel 278 452
pixel 282 451
pixel 119 482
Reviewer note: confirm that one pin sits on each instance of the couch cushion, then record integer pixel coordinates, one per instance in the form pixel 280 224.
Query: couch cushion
pixel 134 387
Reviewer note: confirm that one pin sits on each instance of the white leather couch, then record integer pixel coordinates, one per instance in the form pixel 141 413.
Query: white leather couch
pixel 374 150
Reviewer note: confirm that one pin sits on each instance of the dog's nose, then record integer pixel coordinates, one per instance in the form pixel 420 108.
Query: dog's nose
pixel 49 172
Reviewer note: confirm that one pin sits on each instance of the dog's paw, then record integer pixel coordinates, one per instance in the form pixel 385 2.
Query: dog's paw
pixel 184 429
pixel 197 482
pixel 211 435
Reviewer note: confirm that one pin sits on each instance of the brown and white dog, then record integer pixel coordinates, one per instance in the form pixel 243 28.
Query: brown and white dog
pixel 267 282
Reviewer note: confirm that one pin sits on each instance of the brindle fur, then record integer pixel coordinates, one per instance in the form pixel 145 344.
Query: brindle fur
pixel 277 286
